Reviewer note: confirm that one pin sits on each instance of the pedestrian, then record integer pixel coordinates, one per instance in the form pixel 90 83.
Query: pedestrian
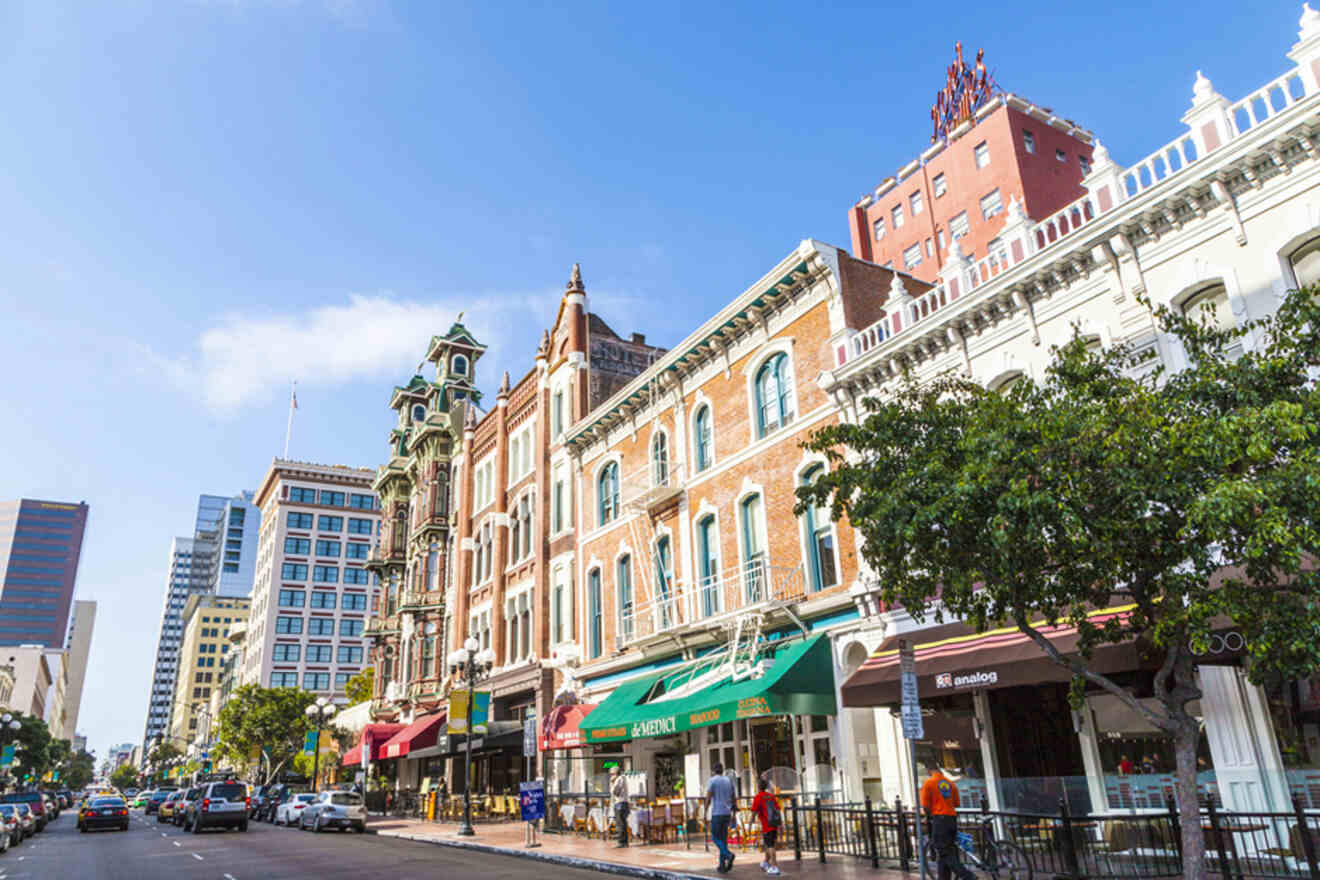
pixel 619 794
pixel 939 798
pixel 1125 766
pixel 719 800
pixel 766 806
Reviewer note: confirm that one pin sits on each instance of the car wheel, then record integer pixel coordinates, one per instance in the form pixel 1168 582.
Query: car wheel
pixel 243 827
pixel 316 826
pixel 196 826
pixel 123 827
pixel 82 829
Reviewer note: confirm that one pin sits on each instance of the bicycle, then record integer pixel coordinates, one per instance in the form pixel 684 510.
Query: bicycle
pixel 997 858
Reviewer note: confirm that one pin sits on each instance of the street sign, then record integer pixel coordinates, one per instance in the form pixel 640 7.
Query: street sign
pixel 531 796
pixel 913 728
pixel 529 737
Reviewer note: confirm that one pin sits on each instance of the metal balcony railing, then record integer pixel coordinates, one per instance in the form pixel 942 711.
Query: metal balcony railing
pixel 648 487
pixel 749 586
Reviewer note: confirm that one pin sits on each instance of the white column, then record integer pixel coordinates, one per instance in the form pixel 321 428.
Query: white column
pixel 1095 773
pixel 1207 120
pixel 989 756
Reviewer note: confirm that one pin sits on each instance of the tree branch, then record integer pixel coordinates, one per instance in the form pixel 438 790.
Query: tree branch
pixel 1079 668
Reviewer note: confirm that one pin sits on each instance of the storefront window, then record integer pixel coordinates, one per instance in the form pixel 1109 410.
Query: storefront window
pixel 1038 753
pixel 1295 715
pixel 951 744
pixel 1137 758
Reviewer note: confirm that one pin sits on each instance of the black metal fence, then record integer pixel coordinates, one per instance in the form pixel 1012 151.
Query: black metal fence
pixel 1239 846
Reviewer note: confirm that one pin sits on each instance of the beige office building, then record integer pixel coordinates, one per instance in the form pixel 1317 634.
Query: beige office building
pixel 77 648
pixel 32 678
pixel 207 620
pixel 312 592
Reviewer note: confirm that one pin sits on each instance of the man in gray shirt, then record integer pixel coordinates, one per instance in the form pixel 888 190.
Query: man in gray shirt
pixel 719 799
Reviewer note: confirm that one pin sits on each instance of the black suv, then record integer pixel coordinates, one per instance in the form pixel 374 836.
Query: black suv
pixel 157 798
pixel 217 805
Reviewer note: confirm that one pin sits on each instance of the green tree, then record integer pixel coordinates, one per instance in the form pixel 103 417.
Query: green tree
pixel 79 771
pixel 359 687
pixel 256 718
pixel 1190 496
pixel 125 776
pixel 34 741
pixel 159 756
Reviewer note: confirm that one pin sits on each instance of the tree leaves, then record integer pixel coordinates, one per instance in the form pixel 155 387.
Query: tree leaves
pixel 256 718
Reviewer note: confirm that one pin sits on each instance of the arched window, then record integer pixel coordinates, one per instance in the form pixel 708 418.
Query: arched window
pixel 754 559
pixel 400 531
pixel 459 365
pixel 1306 263
pixel 607 492
pixel 701 438
pixel 595 614
pixel 664 581
pixel 660 459
pixel 625 599
pixel 708 566
pixel 419 414
pixel 774 395
pixel 515 536
pixel 1213 299
pixel 525 517
pixel 821 569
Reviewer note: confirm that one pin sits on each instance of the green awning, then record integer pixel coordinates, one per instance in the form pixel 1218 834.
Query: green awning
pixel 799 681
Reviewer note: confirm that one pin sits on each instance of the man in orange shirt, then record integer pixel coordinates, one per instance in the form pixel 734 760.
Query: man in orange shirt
pixel 939 798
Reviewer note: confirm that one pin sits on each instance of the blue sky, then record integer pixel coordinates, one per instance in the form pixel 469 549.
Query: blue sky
pixel 204 200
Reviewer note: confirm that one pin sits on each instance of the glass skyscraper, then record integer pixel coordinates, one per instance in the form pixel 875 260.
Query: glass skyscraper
pixel 40 544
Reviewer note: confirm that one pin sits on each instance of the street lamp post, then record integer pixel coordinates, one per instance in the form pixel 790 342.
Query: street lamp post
pixel 319 712
pixel 473 664
pixel 10 727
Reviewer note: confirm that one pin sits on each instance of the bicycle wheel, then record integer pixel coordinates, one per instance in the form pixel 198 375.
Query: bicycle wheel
pixel 1009 860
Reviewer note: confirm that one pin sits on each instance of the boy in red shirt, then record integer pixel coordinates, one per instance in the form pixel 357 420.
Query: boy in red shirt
pixel 765 806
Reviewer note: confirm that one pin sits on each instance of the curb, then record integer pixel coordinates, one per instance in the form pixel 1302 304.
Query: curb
pixel 567 861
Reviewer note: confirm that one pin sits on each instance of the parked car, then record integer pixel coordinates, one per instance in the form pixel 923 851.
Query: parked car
pixel 52 804
pixel 274 797
pixel 158 797
pixel 182 804
pixel 129 793
pixel 335 809
pixel 217 805
pixel 35 802
pixel 290 811
pixel 257 800
pixel 15 828
pixel 29 818
pixel 165 809
pixel 103 812
pixel 66 798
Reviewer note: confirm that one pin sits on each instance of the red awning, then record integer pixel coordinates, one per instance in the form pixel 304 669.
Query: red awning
pixel 352 756
pixel 561 730
pixel 374 737
pixel 421 734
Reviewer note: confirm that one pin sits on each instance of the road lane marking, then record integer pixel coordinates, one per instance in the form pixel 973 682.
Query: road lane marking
pixel 196 856
pixel 229 877
pixel 176 843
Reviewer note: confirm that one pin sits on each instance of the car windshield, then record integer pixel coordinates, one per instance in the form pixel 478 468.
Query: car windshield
pixel 345 799
pixel 8 809
pixel 304 798
pixel 230 791
pixel 24 809
pixel 108 802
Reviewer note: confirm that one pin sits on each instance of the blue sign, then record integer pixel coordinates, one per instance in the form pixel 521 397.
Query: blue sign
pixel 6 756
pixel 531 795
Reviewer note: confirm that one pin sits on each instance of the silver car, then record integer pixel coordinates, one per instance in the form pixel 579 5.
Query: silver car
pixel 334 809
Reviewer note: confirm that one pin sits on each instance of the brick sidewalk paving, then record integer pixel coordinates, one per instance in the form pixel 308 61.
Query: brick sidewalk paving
pixel 657 861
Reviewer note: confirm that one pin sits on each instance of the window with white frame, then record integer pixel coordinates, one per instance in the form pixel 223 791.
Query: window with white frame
pixel 607 493
pixel 1084 162
pixel 624 586
pixel 878 228
pixel 1028 141
pixel 1305 263
pixel 561 615
pixel 702 437
pixel 479 627
pixel 915 203
pixel 912 256
pixel 520 453
pixel 819 527
pixel 557 413
pixel 959 226
pixel 1061 155
pixel 939 184
pixel 991 204
pixel 896 215
pixel 660 459
pixel 561 510
pixel 595 615
pixel 981 154
pixel 774 394
pixel 751 516
pixel 1211 302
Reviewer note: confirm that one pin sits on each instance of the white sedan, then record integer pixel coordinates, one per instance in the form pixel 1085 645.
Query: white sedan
pixel 288 812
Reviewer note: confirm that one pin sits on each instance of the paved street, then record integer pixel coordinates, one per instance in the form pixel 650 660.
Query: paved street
pixel 149 851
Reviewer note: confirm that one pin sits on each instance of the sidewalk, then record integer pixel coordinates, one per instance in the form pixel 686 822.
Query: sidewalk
pixel 652 862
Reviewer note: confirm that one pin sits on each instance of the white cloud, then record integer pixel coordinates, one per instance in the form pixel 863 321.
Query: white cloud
pixel 247 359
